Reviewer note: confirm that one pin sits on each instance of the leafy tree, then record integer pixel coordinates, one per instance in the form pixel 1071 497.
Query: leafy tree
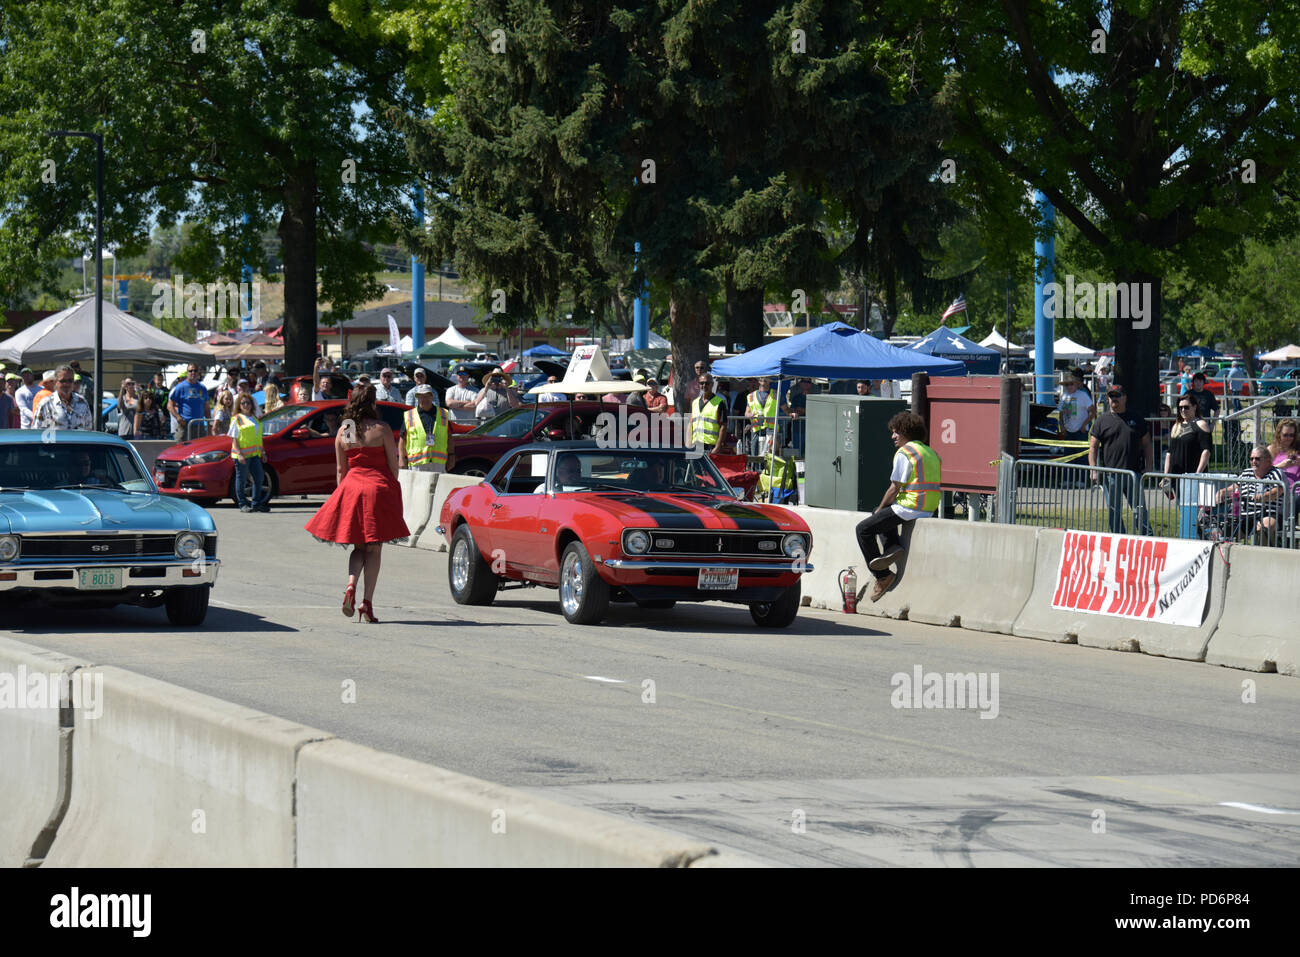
pixel 1166 135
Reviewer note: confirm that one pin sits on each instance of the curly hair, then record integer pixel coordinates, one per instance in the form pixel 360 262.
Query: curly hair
pixel 1281 424
pixel 361 406
pixel 909 425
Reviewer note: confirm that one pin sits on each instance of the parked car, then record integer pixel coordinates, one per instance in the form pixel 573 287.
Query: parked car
pixel 82 523
pixel 654 527
pixel 478 450
pixel 298 455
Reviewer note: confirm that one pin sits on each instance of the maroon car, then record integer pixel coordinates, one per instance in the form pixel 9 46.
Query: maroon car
pixel 298 455
pixel 479 450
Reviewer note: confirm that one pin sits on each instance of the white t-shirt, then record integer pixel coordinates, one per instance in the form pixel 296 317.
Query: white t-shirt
pixel 902 473
pixel 23 396
pixel 458 394
pixel 1074 410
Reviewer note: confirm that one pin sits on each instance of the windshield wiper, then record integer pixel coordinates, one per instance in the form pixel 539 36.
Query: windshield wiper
pixel 602 485
pixel 103 486
pixel 690 488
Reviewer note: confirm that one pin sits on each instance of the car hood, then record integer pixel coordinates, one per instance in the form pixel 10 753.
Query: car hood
pixel 90 510
pixel 183 450
pixel 660 510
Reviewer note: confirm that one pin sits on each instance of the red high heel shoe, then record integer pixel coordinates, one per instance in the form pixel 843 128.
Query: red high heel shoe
pixel 366 613
pixel 349 600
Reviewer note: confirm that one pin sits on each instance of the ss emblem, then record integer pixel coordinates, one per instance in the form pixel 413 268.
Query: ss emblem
pixel 99 548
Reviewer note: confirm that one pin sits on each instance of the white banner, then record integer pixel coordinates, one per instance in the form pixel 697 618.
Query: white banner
pixel 1149 579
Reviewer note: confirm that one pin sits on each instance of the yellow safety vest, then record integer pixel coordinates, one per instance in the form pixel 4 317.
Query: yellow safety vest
pixel 921 492
pixel 706 426
pixel 249 438
pixel 418 451
pixel 778 473
pixel 761 416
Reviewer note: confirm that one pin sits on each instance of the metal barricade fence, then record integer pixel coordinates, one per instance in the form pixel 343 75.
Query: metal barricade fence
pixel 1204 506
pixel 197 428
pixel 1064 495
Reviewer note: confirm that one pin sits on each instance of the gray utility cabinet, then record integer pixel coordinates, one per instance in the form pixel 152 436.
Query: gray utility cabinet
pixel 849 451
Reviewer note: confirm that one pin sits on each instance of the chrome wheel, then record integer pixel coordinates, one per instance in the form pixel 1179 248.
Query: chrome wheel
pixel 460 565
pixel 571 584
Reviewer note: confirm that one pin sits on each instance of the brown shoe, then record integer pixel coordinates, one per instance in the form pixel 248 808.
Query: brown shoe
pixel 882 586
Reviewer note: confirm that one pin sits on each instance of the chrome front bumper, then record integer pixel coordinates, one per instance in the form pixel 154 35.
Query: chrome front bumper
pixel 645 564
pixel 174 573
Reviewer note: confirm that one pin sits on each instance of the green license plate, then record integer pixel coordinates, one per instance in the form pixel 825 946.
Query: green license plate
pixel 101 579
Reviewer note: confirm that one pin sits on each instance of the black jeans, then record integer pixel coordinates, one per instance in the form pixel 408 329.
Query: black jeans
pixel 883 522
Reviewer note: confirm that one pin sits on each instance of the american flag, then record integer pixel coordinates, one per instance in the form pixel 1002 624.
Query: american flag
pixel 958 305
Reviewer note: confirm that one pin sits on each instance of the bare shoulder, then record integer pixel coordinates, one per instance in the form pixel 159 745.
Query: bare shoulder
pixel 1203 425
pixel 376 432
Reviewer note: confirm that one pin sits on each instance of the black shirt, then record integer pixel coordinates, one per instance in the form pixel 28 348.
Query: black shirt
pixel 1185 450
pixel 1207 403
pixel 1121 441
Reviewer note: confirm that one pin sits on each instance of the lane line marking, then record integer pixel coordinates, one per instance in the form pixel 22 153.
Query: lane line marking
pixel 1255 807
pixel 613 681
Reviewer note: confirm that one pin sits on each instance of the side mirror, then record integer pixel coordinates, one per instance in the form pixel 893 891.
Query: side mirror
pixel 300 434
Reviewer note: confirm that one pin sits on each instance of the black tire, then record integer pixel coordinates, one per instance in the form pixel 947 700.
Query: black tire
pixel 584 595
pixel 188 605
pixel 469 577
pixel 269 482
pixel 658 604
pixel 779 613
pixel 475 468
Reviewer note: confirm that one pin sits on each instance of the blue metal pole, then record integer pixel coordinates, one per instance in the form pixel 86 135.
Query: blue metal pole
pixel 246 291
pixel 123 298
pixel 641 314
pixel 417 279
pixel 1044 324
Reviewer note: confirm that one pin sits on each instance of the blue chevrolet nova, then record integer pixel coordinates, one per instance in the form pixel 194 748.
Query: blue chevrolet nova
pixel 81 522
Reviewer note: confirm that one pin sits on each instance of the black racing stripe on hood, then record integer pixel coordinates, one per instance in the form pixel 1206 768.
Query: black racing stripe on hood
pixel 748 518
pixel 664 514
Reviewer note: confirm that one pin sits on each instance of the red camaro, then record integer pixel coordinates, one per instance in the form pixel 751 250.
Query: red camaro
pixel 298 454
pixel 653 526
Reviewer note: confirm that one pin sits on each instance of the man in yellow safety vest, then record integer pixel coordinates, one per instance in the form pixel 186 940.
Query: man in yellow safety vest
pixel 914 490
pixel 760 412
pixel 709 418
pixel 426 445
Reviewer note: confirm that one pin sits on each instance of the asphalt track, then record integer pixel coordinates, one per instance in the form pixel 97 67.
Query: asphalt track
pixel 783 746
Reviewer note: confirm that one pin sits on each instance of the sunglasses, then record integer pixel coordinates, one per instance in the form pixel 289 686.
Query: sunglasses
pixel 1184 408
pixel 1256 458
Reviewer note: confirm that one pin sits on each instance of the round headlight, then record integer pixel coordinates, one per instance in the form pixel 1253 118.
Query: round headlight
pixel 10 545
pixel 189 545
pixel 636 542
pixel 794 546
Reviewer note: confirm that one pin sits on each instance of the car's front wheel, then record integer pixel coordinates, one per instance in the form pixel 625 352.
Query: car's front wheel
pixel 188 605
pixel 584 595
pixel 779 613
pixel 470 577
pixel 268 485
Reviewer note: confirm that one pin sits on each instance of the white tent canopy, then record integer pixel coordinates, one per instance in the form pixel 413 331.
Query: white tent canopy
pixel 995 341
pixel 70 334
pixel 1066 348
pixel 1285 354
pixel 452 337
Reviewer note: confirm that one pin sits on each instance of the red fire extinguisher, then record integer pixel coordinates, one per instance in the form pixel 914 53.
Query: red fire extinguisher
pixel 849 589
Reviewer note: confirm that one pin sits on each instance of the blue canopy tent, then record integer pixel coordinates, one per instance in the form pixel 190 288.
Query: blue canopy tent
pixel 834 351
pixel 949 344
pixel 545 349
pixel 1201 352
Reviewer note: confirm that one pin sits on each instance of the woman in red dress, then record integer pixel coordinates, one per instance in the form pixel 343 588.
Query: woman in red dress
pixel 366 509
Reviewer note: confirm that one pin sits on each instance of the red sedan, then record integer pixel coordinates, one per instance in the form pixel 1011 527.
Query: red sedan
pixel 298 454
pixel 651 526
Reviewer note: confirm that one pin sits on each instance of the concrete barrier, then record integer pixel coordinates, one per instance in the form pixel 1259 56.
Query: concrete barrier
pixel 34 748
pixel 973 575
pixel 417 502
pixel 1040 620
pixel 1258 629
pixel 447 483
pixel 358 807
pixel 171 778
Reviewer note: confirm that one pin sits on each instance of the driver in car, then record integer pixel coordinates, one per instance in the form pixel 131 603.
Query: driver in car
pixel 82 471
pixel 331 423
pixel 568 475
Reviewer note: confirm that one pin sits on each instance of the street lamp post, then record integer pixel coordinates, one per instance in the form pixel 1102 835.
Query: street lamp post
pixel 96 405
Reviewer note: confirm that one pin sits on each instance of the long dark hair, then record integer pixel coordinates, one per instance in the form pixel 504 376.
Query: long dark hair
pixel 361 406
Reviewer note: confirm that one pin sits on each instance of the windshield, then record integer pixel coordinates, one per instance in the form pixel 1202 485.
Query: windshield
pixel 667 470
pixel 279 419
pixel 69 465
pixel 514 424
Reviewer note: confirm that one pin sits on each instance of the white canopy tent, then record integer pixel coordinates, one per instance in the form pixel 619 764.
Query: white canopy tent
pixel 1066 348
pixel 70 334
pixel 451 336
pixel 995 341
pixel 1285 354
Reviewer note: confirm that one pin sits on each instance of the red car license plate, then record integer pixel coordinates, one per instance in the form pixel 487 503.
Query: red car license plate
pixel 719 579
